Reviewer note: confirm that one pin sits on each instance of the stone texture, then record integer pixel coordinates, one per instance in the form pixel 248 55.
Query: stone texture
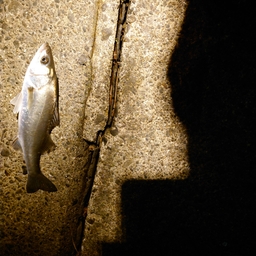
pixel 145 200
pixel 147 141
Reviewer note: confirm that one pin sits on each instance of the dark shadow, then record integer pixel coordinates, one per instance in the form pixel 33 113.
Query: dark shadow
pixel 212 74
pixel 184 218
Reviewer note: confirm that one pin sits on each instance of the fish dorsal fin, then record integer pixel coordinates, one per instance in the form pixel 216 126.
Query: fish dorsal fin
pixel 56 117
pixel 17 101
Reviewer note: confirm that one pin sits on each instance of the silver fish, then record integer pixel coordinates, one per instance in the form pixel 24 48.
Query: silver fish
pixel 38 113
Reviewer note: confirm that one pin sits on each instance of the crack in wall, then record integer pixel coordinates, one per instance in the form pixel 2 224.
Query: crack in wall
pixel 94 148
pixel 123 10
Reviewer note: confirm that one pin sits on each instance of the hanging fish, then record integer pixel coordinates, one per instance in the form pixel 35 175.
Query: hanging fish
pixel 37 107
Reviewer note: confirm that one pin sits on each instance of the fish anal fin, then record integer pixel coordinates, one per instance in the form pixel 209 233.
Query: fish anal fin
pixel 39 181
pixel 48 145
pixel 16 101
pixel 16 144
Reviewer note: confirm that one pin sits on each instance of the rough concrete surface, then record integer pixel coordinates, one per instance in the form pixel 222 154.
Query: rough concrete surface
pixel 146 140
pixel 96 108
pixel 149 143
pixel 156 148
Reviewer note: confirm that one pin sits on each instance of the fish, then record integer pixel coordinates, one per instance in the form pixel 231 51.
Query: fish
pixel 37 107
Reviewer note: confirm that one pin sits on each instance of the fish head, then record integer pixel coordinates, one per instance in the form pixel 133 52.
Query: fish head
pixel 42 63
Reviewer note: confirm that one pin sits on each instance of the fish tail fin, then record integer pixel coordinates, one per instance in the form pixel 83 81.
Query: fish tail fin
pixel 39 181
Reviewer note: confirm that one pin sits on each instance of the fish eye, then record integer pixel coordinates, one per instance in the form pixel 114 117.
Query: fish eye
pixel 44 60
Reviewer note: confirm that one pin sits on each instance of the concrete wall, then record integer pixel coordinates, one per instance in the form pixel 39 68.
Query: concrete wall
pixel 156 148
pixel 146 140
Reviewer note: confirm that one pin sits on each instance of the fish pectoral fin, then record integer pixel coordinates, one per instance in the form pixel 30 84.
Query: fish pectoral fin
pixel 39 181
pixel 48 145
pixel 17 101
pixel 16 144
